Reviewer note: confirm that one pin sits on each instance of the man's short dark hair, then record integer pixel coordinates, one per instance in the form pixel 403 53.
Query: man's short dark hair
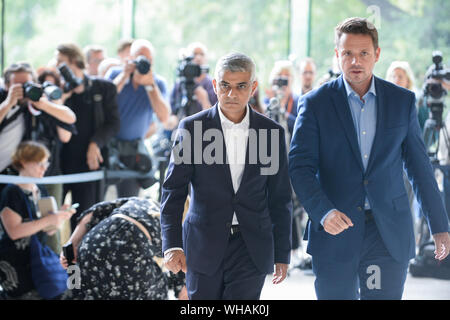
pixel 18 67
pixel 74 53
pixel 356 25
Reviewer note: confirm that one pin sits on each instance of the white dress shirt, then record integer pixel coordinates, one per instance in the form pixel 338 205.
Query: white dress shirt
pixel 236 139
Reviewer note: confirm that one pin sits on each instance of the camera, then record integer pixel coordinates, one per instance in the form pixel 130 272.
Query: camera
pixel 34 91
pixel 433 92
pixel 434 95
pixel 333 75
pixel 187 71
pixel 280 82
pixel 142 64
pixel 190 70
pixel 71 81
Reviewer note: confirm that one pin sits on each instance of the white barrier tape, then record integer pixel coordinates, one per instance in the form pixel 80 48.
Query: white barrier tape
pixel 76 178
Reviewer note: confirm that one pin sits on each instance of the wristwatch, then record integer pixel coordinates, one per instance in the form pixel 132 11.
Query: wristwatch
pixel 150 87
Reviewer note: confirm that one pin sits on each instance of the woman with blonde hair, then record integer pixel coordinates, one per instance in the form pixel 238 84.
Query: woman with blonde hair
pixel 400 73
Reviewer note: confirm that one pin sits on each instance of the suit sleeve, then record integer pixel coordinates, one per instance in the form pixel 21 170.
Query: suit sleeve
pixel 280 205
pixel 175 190
pixel 304 165
pixel 421 174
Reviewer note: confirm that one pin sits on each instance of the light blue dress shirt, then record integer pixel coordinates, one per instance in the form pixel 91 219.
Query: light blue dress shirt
pixel 364 115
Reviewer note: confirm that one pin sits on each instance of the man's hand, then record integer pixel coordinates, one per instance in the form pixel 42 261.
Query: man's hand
pixel 202 97
pixel 280 273
pixel 15 93
pixel 175 261
pixel 442 245
pixel 94 156
pixel 336 222
pixel 144 79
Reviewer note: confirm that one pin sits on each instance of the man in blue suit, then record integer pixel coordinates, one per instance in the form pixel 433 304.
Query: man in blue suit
pixel 238 224
pixel 352 139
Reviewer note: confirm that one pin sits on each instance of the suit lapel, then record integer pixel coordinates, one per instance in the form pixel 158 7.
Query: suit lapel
pixel 381 103
pixel 343 111
pixel 252 125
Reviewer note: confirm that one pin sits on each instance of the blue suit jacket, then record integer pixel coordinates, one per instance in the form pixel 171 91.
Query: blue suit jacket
pixel 327 172
pixel 262 203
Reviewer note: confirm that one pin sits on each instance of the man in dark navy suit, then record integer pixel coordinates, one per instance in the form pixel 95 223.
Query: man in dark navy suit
pixel 238 224
pixel 352 139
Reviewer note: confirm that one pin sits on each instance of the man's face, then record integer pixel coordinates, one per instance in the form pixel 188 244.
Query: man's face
pixel 144 51
pixel 234 90
pixel 61 58
pixel 357 56
pixel 199 56
pixel 94 60
pixel 308 75
pixel 20 78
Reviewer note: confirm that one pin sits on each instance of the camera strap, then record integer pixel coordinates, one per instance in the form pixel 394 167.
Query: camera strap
pixel 7 121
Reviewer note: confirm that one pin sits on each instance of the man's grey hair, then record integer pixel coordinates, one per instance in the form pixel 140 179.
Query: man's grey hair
pixel 235 62
pixel 141 43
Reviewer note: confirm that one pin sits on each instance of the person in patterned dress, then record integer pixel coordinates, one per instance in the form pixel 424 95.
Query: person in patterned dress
pixel 117 258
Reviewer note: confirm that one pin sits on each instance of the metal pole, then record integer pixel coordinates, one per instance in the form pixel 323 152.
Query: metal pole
pixel 289 28
pixel 308 43
pixel 3 38
pixel 133 19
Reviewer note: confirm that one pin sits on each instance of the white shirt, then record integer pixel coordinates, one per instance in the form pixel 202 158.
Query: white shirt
pixel 10 137
pixel 236 139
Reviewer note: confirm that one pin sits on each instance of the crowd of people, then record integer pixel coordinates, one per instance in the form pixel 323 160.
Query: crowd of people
pixel 122 100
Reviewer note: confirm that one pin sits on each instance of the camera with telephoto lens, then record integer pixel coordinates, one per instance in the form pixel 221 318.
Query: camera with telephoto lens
pixel 142 64
pixel 70 80
pixel 35 91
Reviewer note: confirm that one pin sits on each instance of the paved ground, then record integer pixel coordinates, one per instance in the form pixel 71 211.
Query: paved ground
pixel 300 286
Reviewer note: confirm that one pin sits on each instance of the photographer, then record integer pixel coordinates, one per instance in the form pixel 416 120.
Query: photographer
pixel 140 93
pixel 281 79
pixel 26 113
pixel 93 100
pixel 193 93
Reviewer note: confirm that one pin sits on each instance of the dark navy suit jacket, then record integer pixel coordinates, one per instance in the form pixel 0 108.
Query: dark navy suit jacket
pixel 327 172
pixel 262 203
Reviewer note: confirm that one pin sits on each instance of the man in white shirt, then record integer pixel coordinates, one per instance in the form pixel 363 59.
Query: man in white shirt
pixel 239 220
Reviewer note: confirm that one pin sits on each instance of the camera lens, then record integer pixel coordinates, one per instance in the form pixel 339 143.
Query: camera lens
pixel 32 91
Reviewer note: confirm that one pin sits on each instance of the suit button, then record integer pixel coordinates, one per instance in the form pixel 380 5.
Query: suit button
pixel 359 208
pixel 366 182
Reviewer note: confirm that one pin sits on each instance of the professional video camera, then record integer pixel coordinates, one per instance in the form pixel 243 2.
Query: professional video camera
pixel 187 71
pixel 71 81
pixel 34 91
pixel 142 64
pixel 434 94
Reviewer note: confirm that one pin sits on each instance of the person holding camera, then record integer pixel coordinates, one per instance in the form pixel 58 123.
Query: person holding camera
pixel 93 100
pixel 281 79
pixel 203 96
pixel 20 219
pixel 28 113
pixel 141 92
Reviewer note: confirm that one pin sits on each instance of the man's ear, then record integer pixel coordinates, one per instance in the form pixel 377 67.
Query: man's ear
pixel 254 87
pixel 214 82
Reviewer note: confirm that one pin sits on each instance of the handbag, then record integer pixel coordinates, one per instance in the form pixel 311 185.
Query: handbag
pixel 49 277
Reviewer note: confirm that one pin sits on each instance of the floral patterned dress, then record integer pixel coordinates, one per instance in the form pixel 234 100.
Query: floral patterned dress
pixel 116 259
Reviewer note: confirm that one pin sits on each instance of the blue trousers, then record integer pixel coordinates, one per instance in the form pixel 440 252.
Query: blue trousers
pixel 372 275
pixel 236 279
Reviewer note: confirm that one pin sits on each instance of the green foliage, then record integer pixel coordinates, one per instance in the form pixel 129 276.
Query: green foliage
pixel 259 28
